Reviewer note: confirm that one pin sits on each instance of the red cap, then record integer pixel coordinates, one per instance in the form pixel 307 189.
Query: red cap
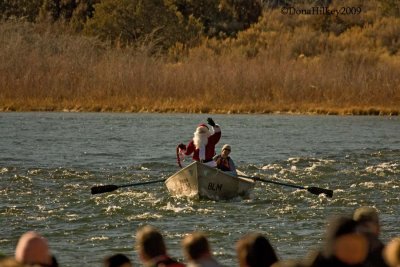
pixel 203 125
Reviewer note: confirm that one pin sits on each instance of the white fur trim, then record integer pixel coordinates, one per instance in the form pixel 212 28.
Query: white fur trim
pixel 202 152
pixel 216 128
pixel 211 163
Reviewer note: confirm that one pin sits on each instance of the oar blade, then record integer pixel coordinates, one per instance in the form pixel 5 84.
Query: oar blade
pixel 103 189
pixel 318 191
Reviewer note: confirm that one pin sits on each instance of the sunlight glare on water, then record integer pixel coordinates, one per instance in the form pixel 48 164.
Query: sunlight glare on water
pixel 49 162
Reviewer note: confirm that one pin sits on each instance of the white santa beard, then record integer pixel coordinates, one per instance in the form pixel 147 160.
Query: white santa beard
pixel 200 140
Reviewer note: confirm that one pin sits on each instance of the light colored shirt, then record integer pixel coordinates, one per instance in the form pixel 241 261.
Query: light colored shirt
pixel 209 262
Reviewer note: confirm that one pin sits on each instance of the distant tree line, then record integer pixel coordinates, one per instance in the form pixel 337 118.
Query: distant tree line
pixel 126 21
pixel 164 23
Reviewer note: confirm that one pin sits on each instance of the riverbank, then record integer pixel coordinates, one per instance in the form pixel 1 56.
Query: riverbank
pixel 43 68
pixel 240 109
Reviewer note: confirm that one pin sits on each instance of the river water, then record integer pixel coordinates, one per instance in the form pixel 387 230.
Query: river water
pixel 49 162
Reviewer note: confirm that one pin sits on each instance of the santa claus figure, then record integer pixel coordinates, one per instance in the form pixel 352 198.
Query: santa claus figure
pixel 202 146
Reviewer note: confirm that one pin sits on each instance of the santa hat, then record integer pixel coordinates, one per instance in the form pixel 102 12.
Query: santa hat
pixel 203 125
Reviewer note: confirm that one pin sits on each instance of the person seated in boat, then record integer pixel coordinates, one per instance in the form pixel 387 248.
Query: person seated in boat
pixel 224 162
pixel 202 146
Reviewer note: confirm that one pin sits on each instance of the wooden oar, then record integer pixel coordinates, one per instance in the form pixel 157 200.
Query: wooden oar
pixel 109 188
pixel 312 189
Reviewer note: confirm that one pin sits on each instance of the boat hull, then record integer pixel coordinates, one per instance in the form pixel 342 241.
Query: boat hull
pixel 201 181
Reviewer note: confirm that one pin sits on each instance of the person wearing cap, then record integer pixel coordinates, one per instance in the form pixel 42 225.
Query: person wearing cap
pixel 224 162
pixel 202 146
pixel 368 221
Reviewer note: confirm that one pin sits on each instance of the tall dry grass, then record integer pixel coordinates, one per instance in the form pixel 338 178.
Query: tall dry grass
pixel 261 71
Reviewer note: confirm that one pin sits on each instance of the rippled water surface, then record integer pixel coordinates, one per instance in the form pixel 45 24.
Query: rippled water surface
pixel 49 162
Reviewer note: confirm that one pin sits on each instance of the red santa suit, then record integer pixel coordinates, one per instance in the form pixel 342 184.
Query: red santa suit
pixel 204 153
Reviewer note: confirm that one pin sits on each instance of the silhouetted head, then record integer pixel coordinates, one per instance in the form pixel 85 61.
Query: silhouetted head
pixel 195 246
pixel 33 249
pixel 149 243
pixel 344 242
pixel 368 219
pixel 254 250
pixel 117 260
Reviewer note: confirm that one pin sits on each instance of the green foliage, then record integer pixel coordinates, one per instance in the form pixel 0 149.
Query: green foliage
pixel 220 18
pixel 54 10
pixel 390 7
pixel 72 12
pixel 306 36
pixel 222 26
pixel 133 21
pixel 82 12
pixel 386 34
pixel 50 10
pixel 26 9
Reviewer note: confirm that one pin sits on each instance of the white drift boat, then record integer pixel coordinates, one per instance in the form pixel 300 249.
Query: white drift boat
pixel 202 181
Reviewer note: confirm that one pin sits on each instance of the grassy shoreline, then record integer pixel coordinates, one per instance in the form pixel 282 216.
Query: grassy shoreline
pixel 42 69
pixel 242 109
